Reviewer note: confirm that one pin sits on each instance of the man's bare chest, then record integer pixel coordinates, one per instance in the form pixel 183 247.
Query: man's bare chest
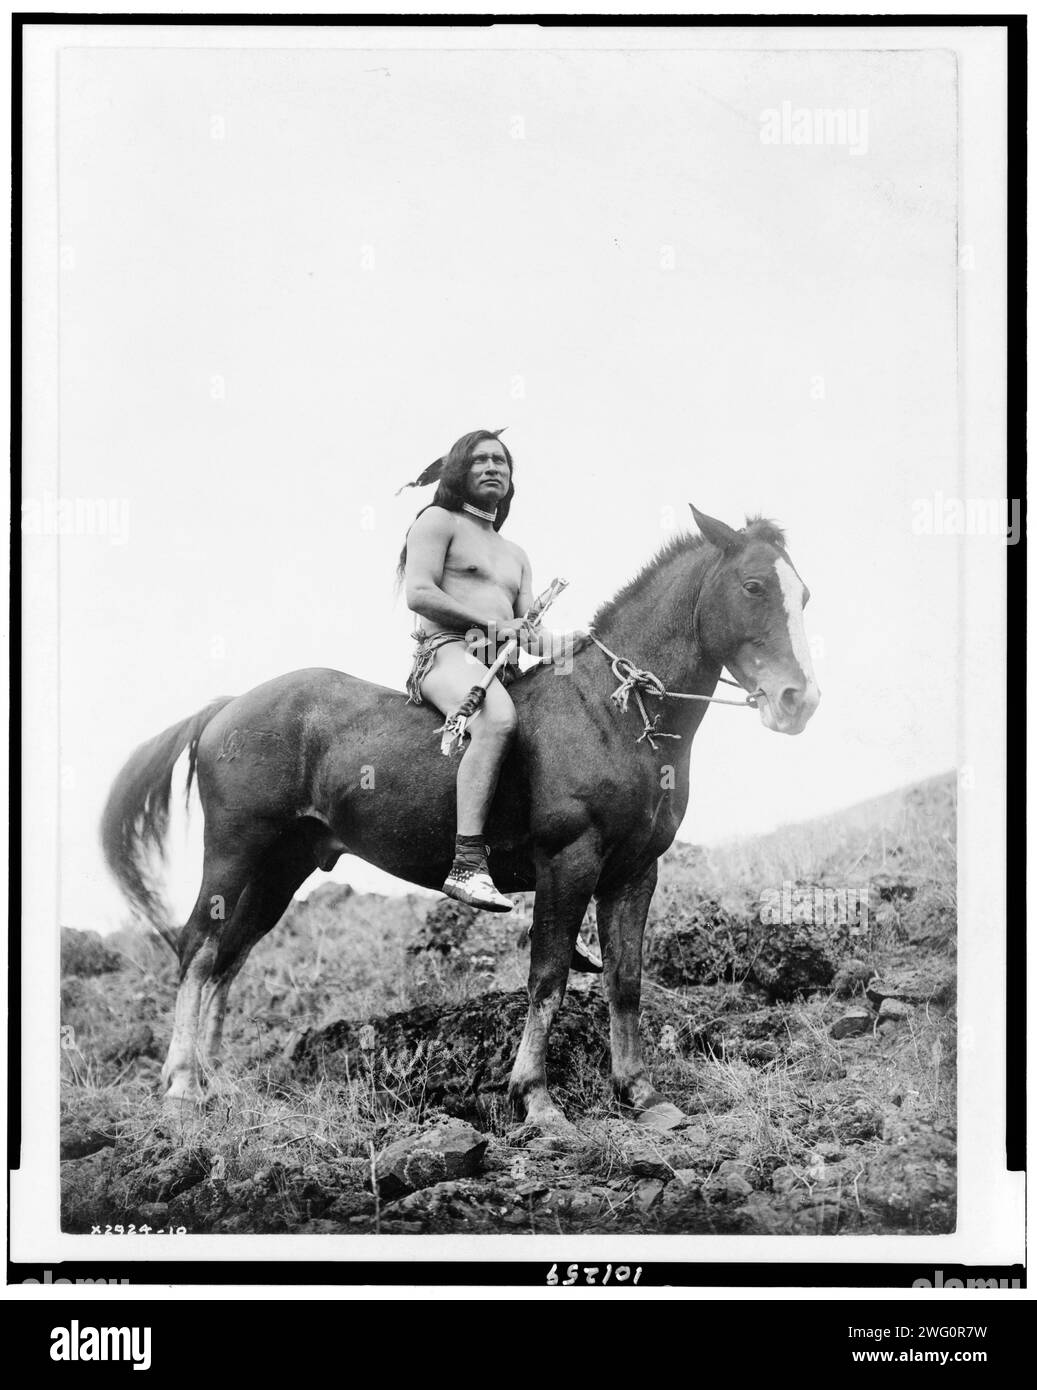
pixel 488 561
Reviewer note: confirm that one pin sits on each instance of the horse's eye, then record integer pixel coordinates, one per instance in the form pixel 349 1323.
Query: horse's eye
pixel 753 586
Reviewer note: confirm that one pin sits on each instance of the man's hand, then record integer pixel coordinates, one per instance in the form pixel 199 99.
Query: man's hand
pixel 500 634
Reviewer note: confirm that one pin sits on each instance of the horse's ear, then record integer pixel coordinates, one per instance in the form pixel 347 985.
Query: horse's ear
pixel 718 533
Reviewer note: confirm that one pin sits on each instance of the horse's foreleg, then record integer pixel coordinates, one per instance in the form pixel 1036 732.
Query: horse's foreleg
pixel 621 924
pixel 565 882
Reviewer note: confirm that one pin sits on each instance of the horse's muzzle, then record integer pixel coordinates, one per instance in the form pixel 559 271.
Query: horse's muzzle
pixel 790 711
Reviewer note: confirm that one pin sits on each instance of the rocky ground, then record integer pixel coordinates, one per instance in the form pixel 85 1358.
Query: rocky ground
pixel 370 1041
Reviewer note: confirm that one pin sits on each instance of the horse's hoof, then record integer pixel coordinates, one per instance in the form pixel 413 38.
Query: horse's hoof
pixel 550 1131
pixel 662 1117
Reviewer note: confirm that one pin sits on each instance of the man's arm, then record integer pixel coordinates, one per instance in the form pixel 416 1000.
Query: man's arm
pixel 525 596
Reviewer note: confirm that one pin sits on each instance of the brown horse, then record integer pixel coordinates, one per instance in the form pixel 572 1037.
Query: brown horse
pixel 317 763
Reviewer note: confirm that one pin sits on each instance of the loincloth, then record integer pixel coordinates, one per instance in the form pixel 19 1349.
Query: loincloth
pixel 428 644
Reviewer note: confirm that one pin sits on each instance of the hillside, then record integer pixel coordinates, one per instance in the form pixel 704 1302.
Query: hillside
pixel 814 1056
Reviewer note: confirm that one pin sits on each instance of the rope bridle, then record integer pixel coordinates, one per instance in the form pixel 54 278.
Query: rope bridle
pixel 634 681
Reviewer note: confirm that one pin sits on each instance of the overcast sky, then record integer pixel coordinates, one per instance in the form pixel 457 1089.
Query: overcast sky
pixel 291 279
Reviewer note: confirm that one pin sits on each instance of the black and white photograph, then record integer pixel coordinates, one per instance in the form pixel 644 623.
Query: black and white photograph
pixel 516 538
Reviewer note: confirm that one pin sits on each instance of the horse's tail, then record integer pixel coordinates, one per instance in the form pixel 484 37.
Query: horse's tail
pixel 136 815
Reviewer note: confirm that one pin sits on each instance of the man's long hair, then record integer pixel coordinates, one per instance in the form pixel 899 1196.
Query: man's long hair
pixel 451 472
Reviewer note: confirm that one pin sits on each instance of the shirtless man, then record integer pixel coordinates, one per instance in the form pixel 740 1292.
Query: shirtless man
pixel 460 574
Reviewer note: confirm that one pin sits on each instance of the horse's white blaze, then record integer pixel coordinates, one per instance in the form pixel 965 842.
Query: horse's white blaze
pixel 792 597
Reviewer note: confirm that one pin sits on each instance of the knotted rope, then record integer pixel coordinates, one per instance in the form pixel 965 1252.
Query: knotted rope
pixel 633 681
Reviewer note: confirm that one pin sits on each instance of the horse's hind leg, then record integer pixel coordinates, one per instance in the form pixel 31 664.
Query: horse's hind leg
pixel 223 882
pixel 621 924
pixel 262 904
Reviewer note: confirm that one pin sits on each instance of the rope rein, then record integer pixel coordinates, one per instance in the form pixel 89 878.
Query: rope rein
pixel 634 681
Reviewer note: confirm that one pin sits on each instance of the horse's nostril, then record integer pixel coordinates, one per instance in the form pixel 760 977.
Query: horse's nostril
pixel 791 699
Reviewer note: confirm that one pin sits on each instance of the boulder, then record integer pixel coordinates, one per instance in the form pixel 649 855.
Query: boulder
pixel 792 958
pixel 458 1059
pixel 854 1024
pixel 444 1152
pixel 694 943
pixel 79 1138
pixel 851 977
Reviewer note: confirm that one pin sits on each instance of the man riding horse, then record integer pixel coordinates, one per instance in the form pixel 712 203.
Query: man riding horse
pixel 317 763
pixel 471 589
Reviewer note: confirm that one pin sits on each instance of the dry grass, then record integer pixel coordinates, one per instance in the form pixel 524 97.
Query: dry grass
pixel 817 1107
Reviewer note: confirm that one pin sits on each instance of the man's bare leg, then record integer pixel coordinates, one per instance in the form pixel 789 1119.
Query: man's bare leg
pixel 490 731
pixel 453 675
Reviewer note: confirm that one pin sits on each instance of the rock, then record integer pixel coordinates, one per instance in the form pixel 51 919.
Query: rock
pixel 889 888
pixel 661 1117
pixel 84 953
pixel 755 1036
pixel 914 987
pixel 854 1024
pixel 177 1173
pixel 153 1213
pixel 894 1011
pixel 792 958
pixel 734 1174
pixel 446 1151
pixel 931 921
pixel 200 1206
pixel 648 1192
pixel 349 1205
pixel 686 1177
pixel 643 1163
pixel 695 1134
pixel 79 1139
pixel 829 1151
pixel 696 944
pixel 583 1205
pixel 728 1183
pixel 85 1184
pixel 548 1143
pixel 458 1059
pixel 912 1178
pixel 738 1187
pixel 784 1179
pixel 851 977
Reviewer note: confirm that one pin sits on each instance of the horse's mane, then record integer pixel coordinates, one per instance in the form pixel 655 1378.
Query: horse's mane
pixel 756 528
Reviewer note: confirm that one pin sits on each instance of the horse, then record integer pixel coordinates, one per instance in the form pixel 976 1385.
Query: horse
pixel 317 763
